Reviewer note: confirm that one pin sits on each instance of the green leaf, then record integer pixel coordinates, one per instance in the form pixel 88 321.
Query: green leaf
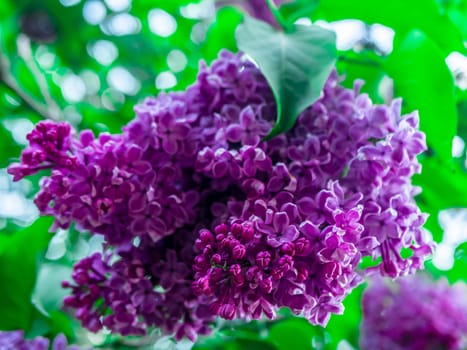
pixel 296 333
pixel 7 10
pixel 221 32
pixel 425 82
pixel 57 322
pixel 218 342
pixel 291 11
pixel 40 325
pixel 401 15
pixel 462 113
pixel 457 12
pixel 346 326
pixel 60 322
pixel 432 223
pixel 8 147
pixel 248 344
pixel 48 294
pixel 365 65
pixel 19 255
pixel 459 270
pixel 296 64
pixel 444 186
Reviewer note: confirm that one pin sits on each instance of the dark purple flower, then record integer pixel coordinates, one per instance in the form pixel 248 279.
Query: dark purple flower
pixel 49 146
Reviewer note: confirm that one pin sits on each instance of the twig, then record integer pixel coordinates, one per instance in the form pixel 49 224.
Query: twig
pixel 46 111
pixel 363 62
pixel 277 15
pixel 25 51
pixel 11 85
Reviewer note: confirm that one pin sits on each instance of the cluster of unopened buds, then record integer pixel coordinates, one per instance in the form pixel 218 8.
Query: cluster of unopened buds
pixel 202 217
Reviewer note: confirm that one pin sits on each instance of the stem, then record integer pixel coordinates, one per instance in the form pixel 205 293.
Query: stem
pixel 25 51
pixel 283 24
pixel 50 111
pixel 363 62
pixel 13 86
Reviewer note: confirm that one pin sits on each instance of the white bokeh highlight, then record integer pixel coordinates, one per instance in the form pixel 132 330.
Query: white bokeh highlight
pixel 161 23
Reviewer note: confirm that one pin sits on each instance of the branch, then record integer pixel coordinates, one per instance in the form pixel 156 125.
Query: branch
pixel 25 51
pixel 47 111
pixel 277 16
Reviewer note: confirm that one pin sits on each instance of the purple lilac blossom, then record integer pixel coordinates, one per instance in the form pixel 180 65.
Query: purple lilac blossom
pixel 414 313
pixel 203 218
pixel 14 340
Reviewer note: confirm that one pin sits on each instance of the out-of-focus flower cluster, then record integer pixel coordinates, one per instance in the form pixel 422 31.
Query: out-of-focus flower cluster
pixel 14 340
pixel 203 218
pixel 414 313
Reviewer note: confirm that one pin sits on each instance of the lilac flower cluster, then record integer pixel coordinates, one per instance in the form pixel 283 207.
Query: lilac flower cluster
pixel 203 218
pixel 14 340
pixel 433 316
pixel 150 285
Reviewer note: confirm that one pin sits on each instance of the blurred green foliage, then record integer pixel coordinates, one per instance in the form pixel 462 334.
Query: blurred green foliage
pixel 20 255
pixel 89 61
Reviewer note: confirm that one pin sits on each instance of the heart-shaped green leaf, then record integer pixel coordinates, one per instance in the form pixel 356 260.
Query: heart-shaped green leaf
pixel 296 64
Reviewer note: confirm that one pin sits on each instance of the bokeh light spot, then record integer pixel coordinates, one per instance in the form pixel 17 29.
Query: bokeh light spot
pixel 161 23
